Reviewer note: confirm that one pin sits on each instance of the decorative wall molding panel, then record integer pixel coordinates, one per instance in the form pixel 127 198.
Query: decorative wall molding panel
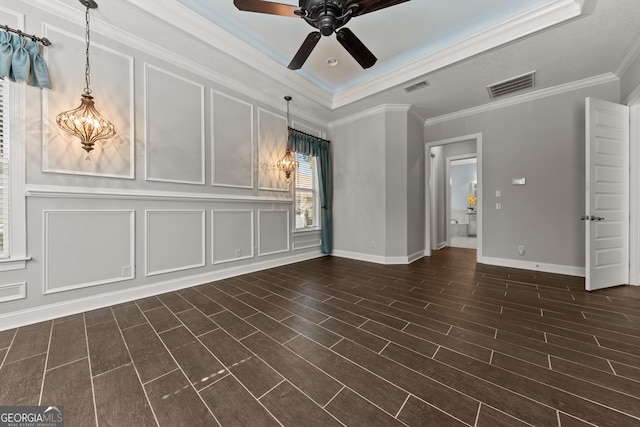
pixel 112 85
pixel 232 141
pixel 85 248
pixel 175 240
pixel 174 127
pixel 125 194
pixel 305 244
pixel 13 292
pixel 12 18
pixel 231 235
pixel 273 231
pixel 272 143
pixel 307 129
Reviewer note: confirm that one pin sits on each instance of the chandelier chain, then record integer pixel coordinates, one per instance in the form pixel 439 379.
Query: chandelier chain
pixel 87 69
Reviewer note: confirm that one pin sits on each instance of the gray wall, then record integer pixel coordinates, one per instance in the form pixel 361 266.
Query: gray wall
pixel 359 199
pixel 379 186
pixel 541 140
pixel 415 187
pixel 630 80
pixel 396 183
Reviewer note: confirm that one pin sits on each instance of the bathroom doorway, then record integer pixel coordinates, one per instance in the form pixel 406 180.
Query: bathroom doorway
pixel 437 185
pixel 462 196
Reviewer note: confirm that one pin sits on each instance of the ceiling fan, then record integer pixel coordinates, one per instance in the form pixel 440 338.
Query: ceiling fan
pixel 328 16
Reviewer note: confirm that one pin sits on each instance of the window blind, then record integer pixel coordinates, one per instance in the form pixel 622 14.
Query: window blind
pixel 305 189
pixel 4 168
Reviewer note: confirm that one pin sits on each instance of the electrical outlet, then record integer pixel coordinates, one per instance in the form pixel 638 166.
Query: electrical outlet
pixel 521 249
pixel 498 206
pixel 126 271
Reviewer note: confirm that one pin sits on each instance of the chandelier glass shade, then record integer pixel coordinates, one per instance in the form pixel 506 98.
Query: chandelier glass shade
pixel 85 122
pixel 288 163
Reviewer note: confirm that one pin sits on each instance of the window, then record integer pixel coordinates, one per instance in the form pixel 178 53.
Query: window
pixel 12 186
pixel 306 191
pixel 4 168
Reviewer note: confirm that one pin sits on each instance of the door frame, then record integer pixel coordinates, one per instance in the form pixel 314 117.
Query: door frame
pixel 634 191
pixel 477 137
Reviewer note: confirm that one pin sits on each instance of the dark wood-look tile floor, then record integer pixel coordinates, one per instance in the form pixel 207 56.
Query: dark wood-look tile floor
pixel 331 341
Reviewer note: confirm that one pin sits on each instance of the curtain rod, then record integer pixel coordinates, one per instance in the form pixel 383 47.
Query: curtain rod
pixel 43 40
pixel 308 134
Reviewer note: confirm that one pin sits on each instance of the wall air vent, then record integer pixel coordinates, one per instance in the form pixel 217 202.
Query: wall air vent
pixel 512 85
pixel 417 86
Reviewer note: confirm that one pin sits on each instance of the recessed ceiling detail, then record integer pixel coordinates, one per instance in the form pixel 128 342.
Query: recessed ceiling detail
pixel 515 84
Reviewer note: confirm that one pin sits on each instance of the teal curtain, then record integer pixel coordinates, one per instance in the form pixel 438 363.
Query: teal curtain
pixel 319 148
pixel 21 59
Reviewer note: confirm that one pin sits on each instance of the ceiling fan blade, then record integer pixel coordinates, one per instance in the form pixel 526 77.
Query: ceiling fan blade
pixel 356 48
pixel 305 50
pixel 266 7
pixel 367 6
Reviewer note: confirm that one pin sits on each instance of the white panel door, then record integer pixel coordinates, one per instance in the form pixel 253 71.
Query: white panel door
pixel 607 194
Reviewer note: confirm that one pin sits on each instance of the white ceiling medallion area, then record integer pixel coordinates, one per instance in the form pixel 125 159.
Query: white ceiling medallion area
pixel 382 31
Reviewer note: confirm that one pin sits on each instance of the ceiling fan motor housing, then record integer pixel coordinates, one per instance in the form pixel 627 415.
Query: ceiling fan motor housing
pixel 325 15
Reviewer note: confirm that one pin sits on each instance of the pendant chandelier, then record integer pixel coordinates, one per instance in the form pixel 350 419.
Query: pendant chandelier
pixel 288 163
pixel 85 122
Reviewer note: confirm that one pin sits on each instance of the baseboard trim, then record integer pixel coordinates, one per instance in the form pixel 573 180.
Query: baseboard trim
pixel 441 245
pixel 377 259
pixel 52 311
pixel 535 266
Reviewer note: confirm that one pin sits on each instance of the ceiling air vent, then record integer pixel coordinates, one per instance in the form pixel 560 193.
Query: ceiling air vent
pixel 515 84
pixel 417 86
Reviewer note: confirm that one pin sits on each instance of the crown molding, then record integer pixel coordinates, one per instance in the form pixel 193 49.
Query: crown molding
pixel 385 108
pixel 521 26
pixel 531 96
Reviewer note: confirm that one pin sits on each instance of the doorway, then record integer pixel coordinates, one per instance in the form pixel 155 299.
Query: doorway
pixel 462 197
pixel 437 220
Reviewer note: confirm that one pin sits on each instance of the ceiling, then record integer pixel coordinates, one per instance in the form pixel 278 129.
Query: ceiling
pixel 397 35
pixel 458 46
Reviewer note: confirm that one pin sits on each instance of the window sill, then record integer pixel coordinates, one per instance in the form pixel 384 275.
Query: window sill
pixel 302 231
pixel 13 264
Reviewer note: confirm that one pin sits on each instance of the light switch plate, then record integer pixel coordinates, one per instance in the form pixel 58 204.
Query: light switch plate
pixel 518 181
pixel 498 193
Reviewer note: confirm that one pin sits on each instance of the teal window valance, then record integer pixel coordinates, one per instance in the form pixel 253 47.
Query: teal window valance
pixel 21 59
pixel 310 145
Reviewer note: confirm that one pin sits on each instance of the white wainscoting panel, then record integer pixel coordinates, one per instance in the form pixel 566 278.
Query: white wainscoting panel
pixel 174 127
pixel 87 248
pixel 305 244
pixel 113 89
pixel 175 240
pixel 232 145
pixel 273 231
pixel 272 143
pixel 231 235
pixel 13 292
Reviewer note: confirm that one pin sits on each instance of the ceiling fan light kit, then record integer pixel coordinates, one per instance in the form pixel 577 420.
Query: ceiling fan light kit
pixel 328 17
